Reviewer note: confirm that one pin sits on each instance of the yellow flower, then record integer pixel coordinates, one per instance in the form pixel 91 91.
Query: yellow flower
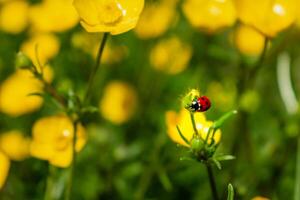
pixel 210 15
pixel 14 93
pixel 156 19
pixel 4 168
pixel 223 96
pixel 267 16
pixel 47 45
pixel 260 198
pixel 171 56
pixel 53 140
pixel 15 145
pixel 118 102
pixel 248 40
pixel 14 16
pixel 183 121
pixel 114 16
pixel 53 16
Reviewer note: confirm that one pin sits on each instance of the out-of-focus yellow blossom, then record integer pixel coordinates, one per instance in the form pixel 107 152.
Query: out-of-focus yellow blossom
pixel 53 140
pixel 114 16
pixel 14 16
pixel 259 198
pixel 53 16
pixel 183 121
pixel 4 168
pixel 47 47
pixel 210 15
pixel 15 145
pixel 14 92
pixel 223 97
pixel 171 55
pixel 248 40
pixel 267 16
pixel 118 102
pixel 156 19
pixel 89 43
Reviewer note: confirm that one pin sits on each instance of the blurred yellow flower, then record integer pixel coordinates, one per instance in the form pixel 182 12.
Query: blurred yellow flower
pixel 4 168
pixel 14 145
pixel 156 19
pixel 14 93
pixel 210 15
pixel 53 140
pixel 114 16
pixel 267 16
pixel 223 96
pixel 171 56
pixel 183 121
pixel 118 102
pixel 53 16
pixel 248 40
pixel 14 16
pixel 47 45
pixel 259 198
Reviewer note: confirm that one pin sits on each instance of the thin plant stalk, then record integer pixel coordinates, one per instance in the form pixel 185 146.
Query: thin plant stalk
pixel 212 182
pixel 68 193
pixel 297 181
pixel 49 183
pixel 194 123
pixel 96 68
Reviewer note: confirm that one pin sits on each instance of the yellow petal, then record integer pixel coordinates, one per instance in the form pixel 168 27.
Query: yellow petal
pixel 4 168
pixel 15 145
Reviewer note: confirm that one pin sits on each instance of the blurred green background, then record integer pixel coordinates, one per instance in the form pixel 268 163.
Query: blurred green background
pixel 130 156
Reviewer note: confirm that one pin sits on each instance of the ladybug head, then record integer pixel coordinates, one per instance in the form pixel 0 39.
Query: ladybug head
pixel 204 103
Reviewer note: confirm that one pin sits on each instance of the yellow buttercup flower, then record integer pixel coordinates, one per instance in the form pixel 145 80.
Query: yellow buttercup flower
pixel 47 47
pixel 14 16
pixel 171 56
pixel 15 145
pixel 210 15
pixel 183 121
pixel 155 19
pixel 53 140
pixel 267 16
pixel 248 40
pixel 114 16
pixel 118 102
pixel 15 98
pixel 53 16
pixel 4 168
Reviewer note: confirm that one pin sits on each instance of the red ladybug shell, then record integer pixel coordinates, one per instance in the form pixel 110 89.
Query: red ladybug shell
pixel 204 103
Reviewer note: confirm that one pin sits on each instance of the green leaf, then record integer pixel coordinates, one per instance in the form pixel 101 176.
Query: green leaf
pixel 217 124
pixel 181 135
pixel 224 157
pixel 36 94
pixel 184 158
pixel 89 109
pixel 230 195
pixel 217 163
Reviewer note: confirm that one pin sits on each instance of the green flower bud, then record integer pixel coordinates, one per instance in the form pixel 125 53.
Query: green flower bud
pixel 23 61
pixel 189 97
pixel 197 144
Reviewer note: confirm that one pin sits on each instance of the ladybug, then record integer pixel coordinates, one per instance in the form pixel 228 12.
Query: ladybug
pixel 200 104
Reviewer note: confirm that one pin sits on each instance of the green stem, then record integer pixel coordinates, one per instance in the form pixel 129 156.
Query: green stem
pixel 68 193
pixel 194 123
pixel 50 183
pixel 297 182
pixel 95 69
pixel 212 182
